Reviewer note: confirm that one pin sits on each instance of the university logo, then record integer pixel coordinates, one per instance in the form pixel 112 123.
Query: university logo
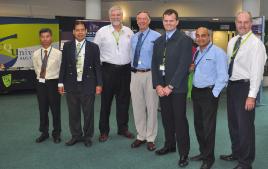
pixel 7 80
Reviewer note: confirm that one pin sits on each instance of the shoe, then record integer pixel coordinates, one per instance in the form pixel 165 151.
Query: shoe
pixel 198 157
pixel 183 161
pixel 151 146
pixel 206 165
pixel 42 138
pixel 228 157
pixel 126 134
pixel 239 167
pixel 71 142
pixel 165 150
pixel 137 143
pixel 103 137
pixel 56 139
pixel 88 143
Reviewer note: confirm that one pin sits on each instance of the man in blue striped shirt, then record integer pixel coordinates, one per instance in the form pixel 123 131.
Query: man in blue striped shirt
pixel 144 97
pixel 210 77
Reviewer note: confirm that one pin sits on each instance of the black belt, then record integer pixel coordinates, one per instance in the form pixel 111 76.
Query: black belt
pixel 139 70
pixel 205 88
pixel 239 81
pixel 114 65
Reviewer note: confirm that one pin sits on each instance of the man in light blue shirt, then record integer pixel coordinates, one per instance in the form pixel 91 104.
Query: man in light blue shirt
pixel 210 77
pixel 144 97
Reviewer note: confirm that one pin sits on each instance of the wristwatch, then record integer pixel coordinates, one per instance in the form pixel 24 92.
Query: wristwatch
pixel 170 87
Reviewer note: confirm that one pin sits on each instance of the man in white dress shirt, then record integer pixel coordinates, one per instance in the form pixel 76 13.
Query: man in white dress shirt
pixel 247 58
pixel 114 43
pixel 46 62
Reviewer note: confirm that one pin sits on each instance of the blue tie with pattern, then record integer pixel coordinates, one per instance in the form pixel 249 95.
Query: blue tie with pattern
pixel 137 51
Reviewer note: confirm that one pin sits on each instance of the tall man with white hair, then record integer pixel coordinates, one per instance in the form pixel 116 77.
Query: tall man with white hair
pixel 115 47
pixel 247 58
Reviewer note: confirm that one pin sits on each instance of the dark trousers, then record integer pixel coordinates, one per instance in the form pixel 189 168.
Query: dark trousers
pixel 48 97
pixel 205 107
pixel 76 101
pixel 175 123
pixel 241 123
pixel 116 82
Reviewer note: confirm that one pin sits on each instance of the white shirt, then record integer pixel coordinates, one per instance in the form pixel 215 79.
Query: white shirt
pixel 82 55
pixel 53 62
pixel 249 61
pixel 110 51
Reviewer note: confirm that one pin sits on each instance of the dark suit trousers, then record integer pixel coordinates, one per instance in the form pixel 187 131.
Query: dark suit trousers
pixel 76 101
pixel 205 107
pixel 241 123
pixel 48 97
pixel 116 82
pixel 175 123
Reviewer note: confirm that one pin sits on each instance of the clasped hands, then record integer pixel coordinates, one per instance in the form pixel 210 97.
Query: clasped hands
pixel 163 91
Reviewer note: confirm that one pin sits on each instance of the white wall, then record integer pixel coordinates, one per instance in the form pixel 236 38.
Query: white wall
pixel 42 8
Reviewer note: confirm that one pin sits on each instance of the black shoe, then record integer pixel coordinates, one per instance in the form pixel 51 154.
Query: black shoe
pixel 137 143
pixel 88 143
pixel 56 139
pixel 228 157
pixel 126 134
pixel 165 150
pixel 206 165
pixel 239 167
pixel 103 137
pixel 183 161
pixel 71 142
pixel 198 157
pixel 42 138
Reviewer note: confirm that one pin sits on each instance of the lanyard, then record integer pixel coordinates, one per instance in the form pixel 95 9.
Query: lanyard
pixel 145 37
pixel 79 49
pixel 42 59
pixel 116 37
pixel 202 55
pixel 244 41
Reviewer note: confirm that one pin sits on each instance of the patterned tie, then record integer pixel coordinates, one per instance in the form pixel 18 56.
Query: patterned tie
pixel 44 66
pixel 235 50
pixel 137 51
pixel 78 59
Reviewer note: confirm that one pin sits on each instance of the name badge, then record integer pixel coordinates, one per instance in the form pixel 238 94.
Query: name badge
pixel 42 80
pixel 162 67
pixel 139 62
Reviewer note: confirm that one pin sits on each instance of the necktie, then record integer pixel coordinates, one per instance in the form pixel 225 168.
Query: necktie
pixel 235 50
pixel 44 66
pixel 137 51
pixel 78 59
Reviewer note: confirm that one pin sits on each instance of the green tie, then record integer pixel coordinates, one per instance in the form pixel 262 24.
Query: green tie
pixel 79 60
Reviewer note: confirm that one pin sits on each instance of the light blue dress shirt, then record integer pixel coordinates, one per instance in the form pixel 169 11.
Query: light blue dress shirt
pixel 212 69
pixel 170 33
pixel 146 52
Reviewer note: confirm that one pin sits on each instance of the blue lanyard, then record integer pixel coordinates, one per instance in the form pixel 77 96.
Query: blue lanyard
pixel 42 59
pixel 79 49
pixel 202 55
pixel 145 37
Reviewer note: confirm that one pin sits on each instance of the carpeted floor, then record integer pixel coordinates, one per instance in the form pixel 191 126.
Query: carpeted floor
pixel 19 127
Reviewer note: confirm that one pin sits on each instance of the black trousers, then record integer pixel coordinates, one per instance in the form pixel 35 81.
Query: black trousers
pixel 241 123
pixel 116 82
pixel 205 107
pixel 48 97
pixel 77 101
pixel 175 123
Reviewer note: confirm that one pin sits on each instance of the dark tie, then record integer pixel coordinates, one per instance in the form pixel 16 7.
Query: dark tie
pixel 137 51
pixel 44 66
pixel 235 50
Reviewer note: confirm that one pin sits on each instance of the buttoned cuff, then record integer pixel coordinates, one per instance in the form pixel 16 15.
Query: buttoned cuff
pixel 60 84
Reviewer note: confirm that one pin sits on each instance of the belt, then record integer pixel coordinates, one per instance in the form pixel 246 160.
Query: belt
pixel 139 70
pixel 114 65
pixel 239 81
pixel 205 88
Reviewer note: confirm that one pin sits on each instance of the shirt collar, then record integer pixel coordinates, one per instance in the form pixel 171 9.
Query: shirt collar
pixel 113 30
pixel 208 46
pixel 145 32
pixel 76 42
pixel 46 48
pixel 244 36
pixel 170 33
